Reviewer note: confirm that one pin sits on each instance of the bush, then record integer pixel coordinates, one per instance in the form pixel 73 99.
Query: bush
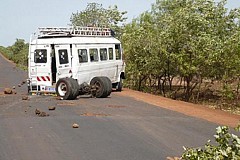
pixel 18 53
pixel 227 148
pixel 6 52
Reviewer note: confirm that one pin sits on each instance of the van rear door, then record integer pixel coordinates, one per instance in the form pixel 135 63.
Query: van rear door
pixel 40 65
pixel 63 61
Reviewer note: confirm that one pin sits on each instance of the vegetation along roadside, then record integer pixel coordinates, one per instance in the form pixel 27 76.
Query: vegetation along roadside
pixel 187 50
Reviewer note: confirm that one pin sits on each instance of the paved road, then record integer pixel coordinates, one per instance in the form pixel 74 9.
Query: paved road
pixel 114 128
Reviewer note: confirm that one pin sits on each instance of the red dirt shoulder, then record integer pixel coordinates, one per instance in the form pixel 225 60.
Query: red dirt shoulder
pixel 194 110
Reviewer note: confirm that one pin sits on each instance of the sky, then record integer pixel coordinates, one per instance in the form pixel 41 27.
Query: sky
pixel 19 19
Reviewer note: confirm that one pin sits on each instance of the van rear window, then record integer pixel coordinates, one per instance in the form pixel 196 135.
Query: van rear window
pixel 40 56
pixel 63 56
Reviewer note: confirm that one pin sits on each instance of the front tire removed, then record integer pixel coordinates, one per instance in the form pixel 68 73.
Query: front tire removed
pixel 64 89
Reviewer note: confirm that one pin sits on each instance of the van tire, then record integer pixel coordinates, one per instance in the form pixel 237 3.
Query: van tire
pixel 100 87
pixel 108 83
pixel 119 85
pixel 75 88
pixel 64 89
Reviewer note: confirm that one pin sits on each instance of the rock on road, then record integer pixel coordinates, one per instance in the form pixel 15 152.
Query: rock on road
pixel 115 128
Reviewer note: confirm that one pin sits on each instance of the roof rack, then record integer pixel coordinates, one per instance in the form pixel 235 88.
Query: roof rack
pixel 74 31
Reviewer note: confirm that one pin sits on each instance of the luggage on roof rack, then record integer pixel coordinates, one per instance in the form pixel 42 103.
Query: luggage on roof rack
pixel 74 31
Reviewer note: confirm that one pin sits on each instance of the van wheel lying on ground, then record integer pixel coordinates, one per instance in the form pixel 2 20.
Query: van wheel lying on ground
pixel 67 88
pixel 100 86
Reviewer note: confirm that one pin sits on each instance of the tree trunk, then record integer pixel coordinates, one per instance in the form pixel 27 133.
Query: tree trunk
pixel 188 88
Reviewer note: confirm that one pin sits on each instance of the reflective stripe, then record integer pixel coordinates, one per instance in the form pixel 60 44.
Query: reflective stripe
pixel 43 78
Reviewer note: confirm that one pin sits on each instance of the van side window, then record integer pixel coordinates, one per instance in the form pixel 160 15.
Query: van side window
pixel 103 54
pixel 118 52
pixel 82 55
pixel 110 52
pixel 40 56
pixel 63 56
pixel 93 54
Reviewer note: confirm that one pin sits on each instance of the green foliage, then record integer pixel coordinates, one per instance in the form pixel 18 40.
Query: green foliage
pixel 139 51
pixel 227 148
pixel 96 15
pixel 227 92
pixel 18 46
pixel 18 53
pixel 6 52
pixel 190 39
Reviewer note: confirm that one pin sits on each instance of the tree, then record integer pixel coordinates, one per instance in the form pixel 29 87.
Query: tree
pixel 18 46
pixel 96 15
pixel 137 40
pixel 18 52
pixel 191 39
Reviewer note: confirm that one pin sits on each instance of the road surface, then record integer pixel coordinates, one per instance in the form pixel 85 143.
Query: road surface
pixel 116 128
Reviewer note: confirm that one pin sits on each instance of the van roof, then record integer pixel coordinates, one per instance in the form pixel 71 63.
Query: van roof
pixel 75 40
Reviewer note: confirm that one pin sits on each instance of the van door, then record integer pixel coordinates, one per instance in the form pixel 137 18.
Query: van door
pixel 63 61
pixel 40 65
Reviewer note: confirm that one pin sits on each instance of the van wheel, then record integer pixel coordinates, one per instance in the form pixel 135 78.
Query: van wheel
pixel 64 88
pixel 119 85
pixel 108 83
pixel 99 87
pixel 75 88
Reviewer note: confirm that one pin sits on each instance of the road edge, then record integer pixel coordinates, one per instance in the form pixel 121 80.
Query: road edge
pixel 7 59
pixel 194 110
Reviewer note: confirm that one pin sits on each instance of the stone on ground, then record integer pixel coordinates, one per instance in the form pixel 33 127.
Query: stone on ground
pixel 8 91
pixel 51 108
pixel 75 125
pixel 25 98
